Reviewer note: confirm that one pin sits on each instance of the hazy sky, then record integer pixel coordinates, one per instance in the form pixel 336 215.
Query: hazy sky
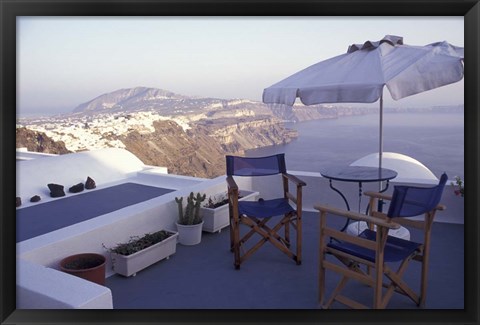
pixel 65 61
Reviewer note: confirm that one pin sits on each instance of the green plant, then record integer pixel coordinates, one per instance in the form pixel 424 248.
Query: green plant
pixel 459 186
pixel 218 201
pixel 137 243
pixel 191 214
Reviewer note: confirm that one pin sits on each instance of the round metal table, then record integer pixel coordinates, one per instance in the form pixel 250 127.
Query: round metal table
pixel 360 175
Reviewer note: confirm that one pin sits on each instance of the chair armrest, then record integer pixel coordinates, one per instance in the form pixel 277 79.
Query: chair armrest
pixel 231 183
pixel 295 179
pixel 382 196
pixel 378 195
pixel 357 216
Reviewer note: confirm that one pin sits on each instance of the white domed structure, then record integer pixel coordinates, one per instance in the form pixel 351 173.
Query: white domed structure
pixel 103 166
pixel 408 169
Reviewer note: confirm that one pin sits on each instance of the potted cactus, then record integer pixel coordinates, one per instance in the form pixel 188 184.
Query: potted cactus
pixel 189 224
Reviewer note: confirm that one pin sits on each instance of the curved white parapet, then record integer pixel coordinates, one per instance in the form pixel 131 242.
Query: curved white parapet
pixel 408 169
pixel 40 287
pixel 103 166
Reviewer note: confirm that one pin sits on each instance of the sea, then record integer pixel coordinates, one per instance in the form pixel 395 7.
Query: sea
pixel 434 139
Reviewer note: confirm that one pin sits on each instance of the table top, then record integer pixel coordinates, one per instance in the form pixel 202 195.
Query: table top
pixel 359 174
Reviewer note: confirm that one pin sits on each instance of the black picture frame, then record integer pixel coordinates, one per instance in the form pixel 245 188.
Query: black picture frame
pixel 10 9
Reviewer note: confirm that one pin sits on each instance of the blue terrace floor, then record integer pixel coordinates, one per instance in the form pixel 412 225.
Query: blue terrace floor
pixel 203 276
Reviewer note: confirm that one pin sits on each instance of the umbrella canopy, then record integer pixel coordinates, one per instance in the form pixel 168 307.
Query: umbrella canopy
pixel 359 75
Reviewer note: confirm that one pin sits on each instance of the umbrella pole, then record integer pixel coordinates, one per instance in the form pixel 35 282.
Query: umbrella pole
pixel 380 151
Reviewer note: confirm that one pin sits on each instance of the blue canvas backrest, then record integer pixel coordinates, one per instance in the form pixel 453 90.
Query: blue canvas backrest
pixel 409 201
pixel 260 166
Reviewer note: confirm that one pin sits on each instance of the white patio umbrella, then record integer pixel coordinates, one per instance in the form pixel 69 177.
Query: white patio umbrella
pixel 359 75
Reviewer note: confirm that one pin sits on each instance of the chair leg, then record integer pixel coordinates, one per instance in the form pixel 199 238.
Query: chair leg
pixel 425 261
pixel 378 288
pixel 299 238
pixel 267 234
pixel 321 259
pixel 236 244
pixel 273 235
pixel 337 291
pixel 321 284
pixel 231 235
pixel 260 223
pixel 423 284
pixel 287 233
pixel 321 273
pixel 297 256
pixel 400 285
pixel 426 257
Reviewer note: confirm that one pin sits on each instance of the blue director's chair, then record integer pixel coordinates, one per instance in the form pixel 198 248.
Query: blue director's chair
pixel 255 214
pixel 375 249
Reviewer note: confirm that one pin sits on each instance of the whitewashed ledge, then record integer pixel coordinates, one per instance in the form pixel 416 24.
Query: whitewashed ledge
pixel 40 287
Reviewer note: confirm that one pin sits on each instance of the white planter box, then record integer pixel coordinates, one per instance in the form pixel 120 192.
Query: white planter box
pixel 216 219
pixel 131 264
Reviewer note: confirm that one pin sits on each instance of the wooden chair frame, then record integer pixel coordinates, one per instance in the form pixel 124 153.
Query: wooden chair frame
pixel 259 226
pixel 375 271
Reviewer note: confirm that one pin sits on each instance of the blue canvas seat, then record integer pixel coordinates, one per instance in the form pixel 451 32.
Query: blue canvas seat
pixel 396 249
pixel 256 214
pixel 374 249
pixel 265 208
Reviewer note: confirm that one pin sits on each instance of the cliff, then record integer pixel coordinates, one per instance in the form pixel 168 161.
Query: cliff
pixel 198 150
pixel 192 154
pixel 238 135
pixel 38 142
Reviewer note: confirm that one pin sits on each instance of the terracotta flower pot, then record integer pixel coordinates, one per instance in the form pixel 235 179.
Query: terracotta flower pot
pixel 88 266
